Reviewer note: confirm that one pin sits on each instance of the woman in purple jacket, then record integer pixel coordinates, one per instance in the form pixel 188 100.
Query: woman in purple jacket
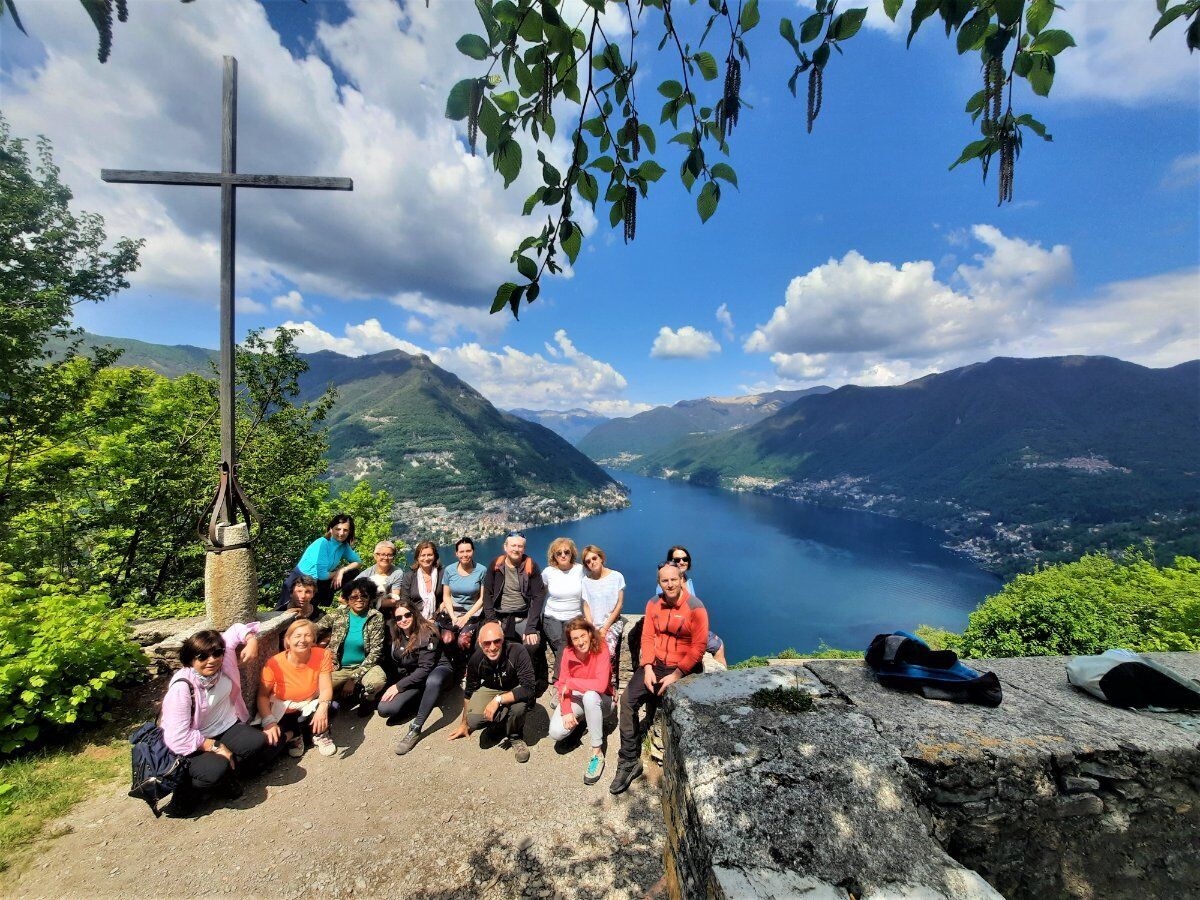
pixel 204 716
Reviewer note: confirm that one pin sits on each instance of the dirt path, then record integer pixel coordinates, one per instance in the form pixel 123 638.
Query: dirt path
pixel 449 820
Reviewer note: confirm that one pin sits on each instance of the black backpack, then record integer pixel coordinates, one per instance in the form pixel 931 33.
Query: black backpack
pixel 157 770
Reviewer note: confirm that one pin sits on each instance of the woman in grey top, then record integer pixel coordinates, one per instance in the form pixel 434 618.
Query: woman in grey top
pixel 387 577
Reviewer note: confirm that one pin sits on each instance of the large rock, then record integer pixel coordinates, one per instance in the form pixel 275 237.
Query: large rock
pixel 877 793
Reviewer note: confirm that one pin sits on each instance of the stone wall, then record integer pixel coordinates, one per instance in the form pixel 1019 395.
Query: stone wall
pixel 876 793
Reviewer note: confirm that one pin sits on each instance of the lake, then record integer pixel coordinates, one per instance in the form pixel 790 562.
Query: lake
pixel 774 573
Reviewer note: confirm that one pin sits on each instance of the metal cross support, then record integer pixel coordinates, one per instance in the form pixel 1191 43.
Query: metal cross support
pixel 229 500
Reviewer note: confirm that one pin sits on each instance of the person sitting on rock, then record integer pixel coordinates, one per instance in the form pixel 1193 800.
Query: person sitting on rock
pixel 674 636
pixel 498 690
pixel 304 589
pixel 356 638
pixel 584 690
pixel 328 559
pixel 204 716
pixel 423 672
pixel 296 691
pixel 514 595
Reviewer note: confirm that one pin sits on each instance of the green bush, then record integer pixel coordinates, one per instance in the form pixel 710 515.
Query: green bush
pixel 63 653
pixel 823 651
pixel 1089 606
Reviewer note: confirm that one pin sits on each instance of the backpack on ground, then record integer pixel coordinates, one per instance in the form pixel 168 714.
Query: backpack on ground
pixel 1124 678
pixel 903 661
pixel 157 770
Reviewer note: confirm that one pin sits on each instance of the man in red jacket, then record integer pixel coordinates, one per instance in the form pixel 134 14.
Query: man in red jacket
pixel 674 635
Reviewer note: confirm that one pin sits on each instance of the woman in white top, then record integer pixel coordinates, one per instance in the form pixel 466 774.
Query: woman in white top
pixel 604 595
pixel 563 577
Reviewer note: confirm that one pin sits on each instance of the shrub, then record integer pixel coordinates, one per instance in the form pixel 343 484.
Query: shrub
pixel 823 651
pixel 782 699
pixel 1089 606
pixel 939 638
pixel 63 653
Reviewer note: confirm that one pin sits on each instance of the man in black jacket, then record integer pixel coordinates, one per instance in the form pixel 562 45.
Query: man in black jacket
pixel 498 690
pixel 513 595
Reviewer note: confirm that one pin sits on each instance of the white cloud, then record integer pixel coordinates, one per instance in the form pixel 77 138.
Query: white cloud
pixel 1184 172
pixel 686 343
pixel 425 219
pixel 293 302
pixel 854 320
pixel 250 305
pixel 508 377
pixel 1115 59
pixel 725 317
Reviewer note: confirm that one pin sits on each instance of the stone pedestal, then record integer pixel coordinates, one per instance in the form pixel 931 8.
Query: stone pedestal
pixel 230 580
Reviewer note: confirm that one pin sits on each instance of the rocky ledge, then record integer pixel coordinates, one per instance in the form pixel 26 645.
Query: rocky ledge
pixel 873 793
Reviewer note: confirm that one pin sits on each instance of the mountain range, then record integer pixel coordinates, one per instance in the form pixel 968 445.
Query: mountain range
pixel 569 424
pixel 659 428
pixel 417 430
pixel 1067 446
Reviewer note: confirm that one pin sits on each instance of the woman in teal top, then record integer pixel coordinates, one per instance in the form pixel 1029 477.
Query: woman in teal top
pixel 327 559
pixel 462 601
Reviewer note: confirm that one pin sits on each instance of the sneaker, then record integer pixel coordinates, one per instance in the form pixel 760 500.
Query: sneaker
pixel 324 743
pixel 626 773
pixel 295 746
pixel 595 768
pixel 520 750
pixel 407 742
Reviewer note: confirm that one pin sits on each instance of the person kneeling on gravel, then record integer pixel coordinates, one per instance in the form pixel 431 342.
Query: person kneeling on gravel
pixel 498 690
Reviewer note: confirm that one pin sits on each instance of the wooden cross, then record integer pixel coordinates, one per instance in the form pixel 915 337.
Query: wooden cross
pixel 229 497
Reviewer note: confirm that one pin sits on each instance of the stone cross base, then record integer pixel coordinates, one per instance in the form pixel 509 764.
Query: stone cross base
pixel 230 579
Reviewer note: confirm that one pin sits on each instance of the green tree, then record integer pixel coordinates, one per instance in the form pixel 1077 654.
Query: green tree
pixel 372 511
pixel 52 259
pixel 1089 606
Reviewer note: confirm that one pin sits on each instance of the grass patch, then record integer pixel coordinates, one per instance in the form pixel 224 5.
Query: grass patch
pixel 782 699
pixel 38 786
pixel 823 651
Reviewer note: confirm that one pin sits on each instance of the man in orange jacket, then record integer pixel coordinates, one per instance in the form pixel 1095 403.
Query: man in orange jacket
pixel 674 635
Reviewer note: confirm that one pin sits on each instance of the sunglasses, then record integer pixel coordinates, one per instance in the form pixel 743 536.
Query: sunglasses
pixel 562 553
pixel 519 534
pixel 686 559
pixel 205 657
pixel 591 559
pixel 404 615
pixel 496 643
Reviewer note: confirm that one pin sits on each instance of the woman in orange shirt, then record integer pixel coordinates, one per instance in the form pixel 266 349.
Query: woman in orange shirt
pixel 295 692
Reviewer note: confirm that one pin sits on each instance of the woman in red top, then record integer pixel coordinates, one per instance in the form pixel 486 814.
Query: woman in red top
pixel 584 689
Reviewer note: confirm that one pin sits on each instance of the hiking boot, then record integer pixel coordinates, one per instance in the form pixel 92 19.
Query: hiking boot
pixel 626 773
pixel 324 744
pixel 520 750
pixel 181 805
pixel 407 742
pixel 295 746
pixel 595 768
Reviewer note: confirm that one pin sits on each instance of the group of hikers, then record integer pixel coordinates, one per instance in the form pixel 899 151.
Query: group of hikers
pixel 399 639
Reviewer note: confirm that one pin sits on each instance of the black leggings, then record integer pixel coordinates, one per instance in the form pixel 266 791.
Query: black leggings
pixel 207 768
pixel 441 675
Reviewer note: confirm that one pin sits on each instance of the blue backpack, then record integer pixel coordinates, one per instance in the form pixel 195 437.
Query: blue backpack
pixel 903 661
pixel 157 770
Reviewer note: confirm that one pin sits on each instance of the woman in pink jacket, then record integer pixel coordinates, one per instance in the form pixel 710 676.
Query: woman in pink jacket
pixel 204 716
pixel 584 689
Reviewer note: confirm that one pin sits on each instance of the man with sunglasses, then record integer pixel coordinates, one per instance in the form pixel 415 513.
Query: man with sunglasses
pixel 674 635
pixel 498 690
pixel 514 595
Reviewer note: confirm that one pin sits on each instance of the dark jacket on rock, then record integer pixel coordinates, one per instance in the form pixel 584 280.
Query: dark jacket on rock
pixel 410 590
pixel 533 589
pixel 513 671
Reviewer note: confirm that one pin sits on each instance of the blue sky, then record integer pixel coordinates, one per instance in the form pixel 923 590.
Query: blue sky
pixel 848 255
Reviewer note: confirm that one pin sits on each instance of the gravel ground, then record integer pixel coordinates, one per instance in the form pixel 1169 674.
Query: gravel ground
pixel 449 820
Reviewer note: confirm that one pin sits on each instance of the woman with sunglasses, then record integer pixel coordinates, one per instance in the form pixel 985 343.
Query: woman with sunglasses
pixel 204 716
pixel 417 657
pixel 604 595
pixel 563 577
